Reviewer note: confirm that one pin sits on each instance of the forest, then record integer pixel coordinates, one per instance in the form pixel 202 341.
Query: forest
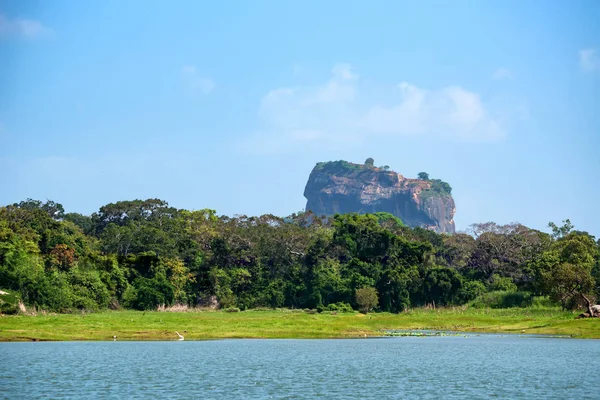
pixel 145 254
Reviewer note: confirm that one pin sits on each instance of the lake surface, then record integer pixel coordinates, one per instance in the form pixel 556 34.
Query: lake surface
pixel 409 367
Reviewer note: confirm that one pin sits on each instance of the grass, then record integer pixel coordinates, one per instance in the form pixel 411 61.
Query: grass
pixel 152 325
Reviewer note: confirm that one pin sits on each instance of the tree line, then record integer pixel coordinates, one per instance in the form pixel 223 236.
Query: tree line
pixel 144 253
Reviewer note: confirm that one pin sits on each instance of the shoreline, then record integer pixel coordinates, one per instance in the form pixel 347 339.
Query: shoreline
pixel 288 324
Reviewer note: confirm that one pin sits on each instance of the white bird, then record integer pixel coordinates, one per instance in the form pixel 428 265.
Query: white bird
pixel 180 337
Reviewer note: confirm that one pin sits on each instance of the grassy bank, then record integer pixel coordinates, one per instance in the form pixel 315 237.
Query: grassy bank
pixel 134 325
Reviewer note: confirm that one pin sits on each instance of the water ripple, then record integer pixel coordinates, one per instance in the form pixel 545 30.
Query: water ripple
pixel 408 367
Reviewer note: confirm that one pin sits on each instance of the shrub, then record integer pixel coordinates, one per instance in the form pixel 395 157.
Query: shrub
pixel 341 307
pixel 471 290
pixel 340 167
pixel 89 292
pixel 56 293
pixel 366 299
pixel 150 293
pixel 231 309
pixel 438 187
pixel 226 298
pixel 263 309
pixel 130 297
pixel 502 299
pixel 9 303
pixel 543 302
pixel 498 283
pixel 174 308
pixel 337 307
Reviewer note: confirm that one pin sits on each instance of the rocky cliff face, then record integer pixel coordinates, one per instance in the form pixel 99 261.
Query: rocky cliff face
pixel 343 187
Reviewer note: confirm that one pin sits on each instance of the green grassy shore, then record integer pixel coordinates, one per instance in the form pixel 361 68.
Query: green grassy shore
pixel 137 325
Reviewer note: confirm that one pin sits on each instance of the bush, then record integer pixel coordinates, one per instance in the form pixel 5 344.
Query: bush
pixel 89 292
pixel 498 283
pixel 366 299
pixel 543 302
pixel 9 303
pixel 337 307
pixel 231 309
pixel 439 186
pixel 150 293
pixel 57 293
pixel 130 297
pixel 502 299
pixel 471 290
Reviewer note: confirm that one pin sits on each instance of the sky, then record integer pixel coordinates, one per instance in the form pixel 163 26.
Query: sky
pixel 229 105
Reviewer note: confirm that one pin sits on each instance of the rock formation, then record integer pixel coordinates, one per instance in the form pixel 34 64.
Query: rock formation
pixel 343 187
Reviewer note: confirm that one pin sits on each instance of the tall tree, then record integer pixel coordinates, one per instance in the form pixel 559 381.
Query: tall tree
pixel 565 270
pixel 561 231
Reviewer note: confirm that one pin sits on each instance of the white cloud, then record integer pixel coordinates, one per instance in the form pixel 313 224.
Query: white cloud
pixel 339 112
pixel 451 112
pixel 195 82
pixel 589 60
pixel 502 73
pixel 27 28
pixel 344 72
pixel 402 118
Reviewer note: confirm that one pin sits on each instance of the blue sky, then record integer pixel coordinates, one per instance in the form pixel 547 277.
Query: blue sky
pixel 229 105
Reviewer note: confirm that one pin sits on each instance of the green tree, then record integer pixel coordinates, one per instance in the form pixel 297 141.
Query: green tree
pixel 366 299
pixel 442 286
pixel 82 221
pixel 456 250
pixel 505 250
pixel 88 290
pixel 221 283
pixel 369 162
pixel 471 290
pixel 54 210
pixel 565 271
pixel 501 283
pixel 561 231
pixel 327 284
pixel 439 186
pixel 150 293
pixel 424 176
pixel 389 221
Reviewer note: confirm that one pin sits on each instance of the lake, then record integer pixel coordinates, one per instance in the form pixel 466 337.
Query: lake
pixel 401 367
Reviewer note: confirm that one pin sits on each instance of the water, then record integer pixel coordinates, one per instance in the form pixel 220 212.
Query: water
pixel 410 367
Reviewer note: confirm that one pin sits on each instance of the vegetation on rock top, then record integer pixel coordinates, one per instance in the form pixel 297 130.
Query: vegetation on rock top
pixel 437 187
